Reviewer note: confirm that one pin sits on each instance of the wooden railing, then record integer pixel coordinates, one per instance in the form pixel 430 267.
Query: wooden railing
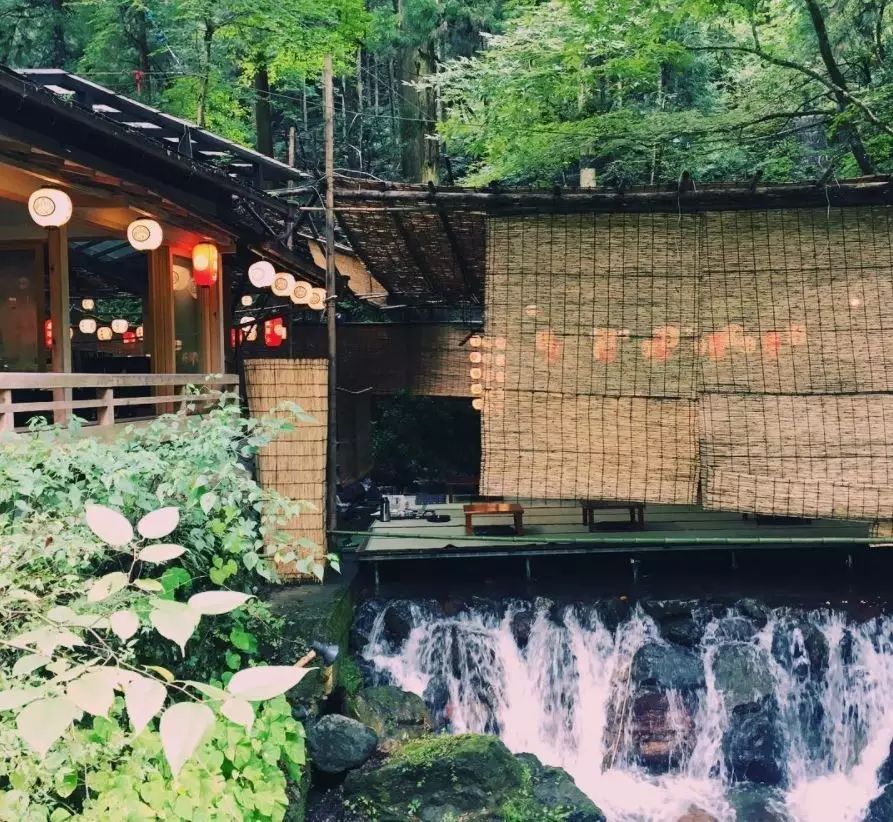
pixel 165 393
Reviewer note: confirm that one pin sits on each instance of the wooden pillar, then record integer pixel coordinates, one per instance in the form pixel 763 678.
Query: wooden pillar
pixel 159 327
pixel 210 302
pixel 60 312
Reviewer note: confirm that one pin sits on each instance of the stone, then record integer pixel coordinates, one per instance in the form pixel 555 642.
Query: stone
pixel 742 674
pixel 337 743
pixel 466 777
pixel 662 731
pixel 393 714
pixel 753 745
pixel 801 649
pixel 555 790
pixel 667 667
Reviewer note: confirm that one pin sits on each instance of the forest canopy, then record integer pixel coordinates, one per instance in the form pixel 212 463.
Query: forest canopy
pixel 488 91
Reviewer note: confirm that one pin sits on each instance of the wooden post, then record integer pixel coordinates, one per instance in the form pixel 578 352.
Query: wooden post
pixel 60 312
pixel 159 328
pixel 331 300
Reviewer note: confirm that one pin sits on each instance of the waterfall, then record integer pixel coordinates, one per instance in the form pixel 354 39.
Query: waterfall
pixel 786 708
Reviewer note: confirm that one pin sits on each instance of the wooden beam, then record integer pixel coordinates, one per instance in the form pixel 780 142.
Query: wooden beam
pixel 60 310
pixel 159 326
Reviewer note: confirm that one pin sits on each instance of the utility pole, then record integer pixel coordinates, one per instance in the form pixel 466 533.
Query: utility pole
pixel 331 299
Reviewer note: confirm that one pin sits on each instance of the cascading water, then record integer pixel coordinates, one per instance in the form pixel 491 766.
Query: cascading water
pixel 743 713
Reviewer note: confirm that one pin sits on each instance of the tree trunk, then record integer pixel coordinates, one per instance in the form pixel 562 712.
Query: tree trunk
pixel 263 113
pixel 205 80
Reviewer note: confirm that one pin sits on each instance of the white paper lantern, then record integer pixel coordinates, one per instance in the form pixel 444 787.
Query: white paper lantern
pixel 261 274
pixel 87 326
pixel 145 235
pixel 181 277
pixel 317 299
pixel 300 294
pixel 104 333
pixel 50 207
pixel 283 284
pixel 88 304
pixel 120 326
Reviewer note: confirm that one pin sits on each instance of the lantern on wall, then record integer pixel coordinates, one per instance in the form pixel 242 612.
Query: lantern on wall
pixel 283 284
pixel 300 294
pixel 50 207
pixel 145 235
pixel 120 326
pixel 205 264
pixel 88 304
pixel 274 332
pixel 104 333
pixel 48 333
pixel 261 274
pixel 317 299
pixel 87 326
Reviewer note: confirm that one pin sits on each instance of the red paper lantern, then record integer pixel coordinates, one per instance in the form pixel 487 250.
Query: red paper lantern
pixel 274 332
pixel 205 264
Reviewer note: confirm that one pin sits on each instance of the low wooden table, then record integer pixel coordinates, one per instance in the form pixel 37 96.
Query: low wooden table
pixel 636 511
pixel 476 508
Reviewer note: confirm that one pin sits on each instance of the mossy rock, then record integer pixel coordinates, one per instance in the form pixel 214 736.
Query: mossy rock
pixel 433 779
pixel 395 715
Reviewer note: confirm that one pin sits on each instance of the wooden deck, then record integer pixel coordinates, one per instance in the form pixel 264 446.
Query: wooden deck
pixel 558 529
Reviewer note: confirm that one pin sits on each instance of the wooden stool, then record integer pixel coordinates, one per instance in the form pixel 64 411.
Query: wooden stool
pixel 512 508
pixel 636 511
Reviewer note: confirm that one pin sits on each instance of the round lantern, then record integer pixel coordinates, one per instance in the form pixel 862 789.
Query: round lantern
pixel 300 294
pixel 205 264
pixel 104 333
pixel 145 235
pixel 50 207
pixel 88 304
pixel 87 326
pixel 283 284
pixel 261 274
pixel 317 299
pixel 120 326
pixel 181 276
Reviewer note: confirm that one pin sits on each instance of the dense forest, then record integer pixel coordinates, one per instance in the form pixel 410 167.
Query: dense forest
pixel 502 91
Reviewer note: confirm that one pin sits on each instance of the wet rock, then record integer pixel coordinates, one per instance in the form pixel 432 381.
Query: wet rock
pixel 521 624
pixel 735 629
pixel 757 803
pixel 555 790
pixel 753 744
pixel 337 743
pixel 801 649
pixel 394 715
pixel 881 807
pixel 468 777
pixel 662 730
pixel 667 667
pixel 754 610
pixel 741 674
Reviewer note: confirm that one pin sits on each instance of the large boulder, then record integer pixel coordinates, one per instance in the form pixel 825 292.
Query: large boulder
pixel 394 715
pixel 555 790
pixel 667 667
pixel 753 744
pixel 468 777
pixel 742 674
pixel 337 743
pixel 800 648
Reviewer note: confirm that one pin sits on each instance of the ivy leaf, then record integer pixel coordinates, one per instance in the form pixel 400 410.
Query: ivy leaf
pixel 109 525
pixel 212 603
pixel 159 523
pixel 93 692
pixel 125 624
pixel 107 585
pixel 28 664
pixel 175 624
pixel 182 728
pixel 143 698
pixel 265 681
pixel 42 722
pixel 238 711
pixel 160 552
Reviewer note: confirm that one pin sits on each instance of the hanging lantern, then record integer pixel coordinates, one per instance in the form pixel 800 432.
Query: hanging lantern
pixel 261 274
pixel 274 332
pixel 180 276
pixel 104 333
pixel 247 300
pixel 249 333
pixel 283 284
pixel 145 235
pixel 88 304
pixel 48 333
pixel 120 326
pixel 87 326
pixel 129 338
pixel 140 332
pixel 205 264
pixel 50 207
pixel 317 299
pixel 300 294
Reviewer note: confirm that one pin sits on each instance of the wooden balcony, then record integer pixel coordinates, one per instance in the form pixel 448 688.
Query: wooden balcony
pixel 103 400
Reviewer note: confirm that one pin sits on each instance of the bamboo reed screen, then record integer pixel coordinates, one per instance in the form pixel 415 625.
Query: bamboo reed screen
pixel 640 356
pixel 294 464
